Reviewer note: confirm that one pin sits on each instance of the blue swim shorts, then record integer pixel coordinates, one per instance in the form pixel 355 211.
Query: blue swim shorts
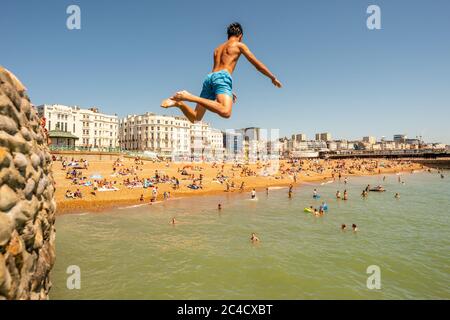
pixel 215 83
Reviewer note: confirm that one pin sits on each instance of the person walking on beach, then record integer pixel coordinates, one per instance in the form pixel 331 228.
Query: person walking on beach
pixel 217 95
pixel 154 194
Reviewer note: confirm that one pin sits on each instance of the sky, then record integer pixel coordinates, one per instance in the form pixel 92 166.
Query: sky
pixel 338 76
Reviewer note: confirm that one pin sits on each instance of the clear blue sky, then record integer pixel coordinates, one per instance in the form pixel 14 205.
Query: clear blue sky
pixel 338 76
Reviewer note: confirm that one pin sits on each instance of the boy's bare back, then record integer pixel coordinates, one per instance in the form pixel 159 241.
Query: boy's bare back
pixel 226 56
pixel 228 53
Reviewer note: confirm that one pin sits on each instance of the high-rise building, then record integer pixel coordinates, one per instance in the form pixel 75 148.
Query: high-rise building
pixel 369 140
pixel 323 136
pixel 92 128
pixel 299 137
pixel 400 138
pixel 233 144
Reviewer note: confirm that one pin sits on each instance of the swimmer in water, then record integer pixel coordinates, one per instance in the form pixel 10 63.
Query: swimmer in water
pixel 343 227
pixel 173 221
pixel 338 194
pixel 290 190
pixel 219 206
pixel 397 195
pixel 345 195
pixel 253 194
pixel 354 228
pixel 254 238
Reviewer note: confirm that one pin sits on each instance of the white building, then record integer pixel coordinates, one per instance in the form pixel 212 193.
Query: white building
pixel 164 135
pixel 93 129
pixel 217 144
pixel 169 136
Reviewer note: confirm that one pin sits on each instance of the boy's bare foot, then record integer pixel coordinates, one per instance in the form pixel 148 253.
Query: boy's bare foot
pixel 181 96
pixel 168 103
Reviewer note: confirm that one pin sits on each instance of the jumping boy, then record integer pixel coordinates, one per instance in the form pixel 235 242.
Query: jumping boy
pixel 217 95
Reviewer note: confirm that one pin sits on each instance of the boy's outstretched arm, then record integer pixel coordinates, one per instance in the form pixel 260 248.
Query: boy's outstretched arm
pixel 258 64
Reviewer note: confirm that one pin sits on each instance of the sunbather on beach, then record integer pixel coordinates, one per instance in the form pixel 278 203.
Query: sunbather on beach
pixel 217 95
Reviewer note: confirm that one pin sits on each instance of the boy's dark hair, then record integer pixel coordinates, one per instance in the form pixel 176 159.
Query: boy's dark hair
pixel 234 29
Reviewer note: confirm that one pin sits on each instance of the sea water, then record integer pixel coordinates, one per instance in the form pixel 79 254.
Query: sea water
pixel 135 253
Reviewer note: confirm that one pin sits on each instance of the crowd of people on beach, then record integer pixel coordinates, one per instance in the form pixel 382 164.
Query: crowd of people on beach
pixel 130 175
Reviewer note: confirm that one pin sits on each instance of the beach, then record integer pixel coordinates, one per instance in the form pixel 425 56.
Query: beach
pixel 101 187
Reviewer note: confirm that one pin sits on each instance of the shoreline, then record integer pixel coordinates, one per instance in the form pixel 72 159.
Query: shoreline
pixel 98 206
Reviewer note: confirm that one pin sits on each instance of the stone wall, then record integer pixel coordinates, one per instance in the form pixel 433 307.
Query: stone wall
pixel 27 205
